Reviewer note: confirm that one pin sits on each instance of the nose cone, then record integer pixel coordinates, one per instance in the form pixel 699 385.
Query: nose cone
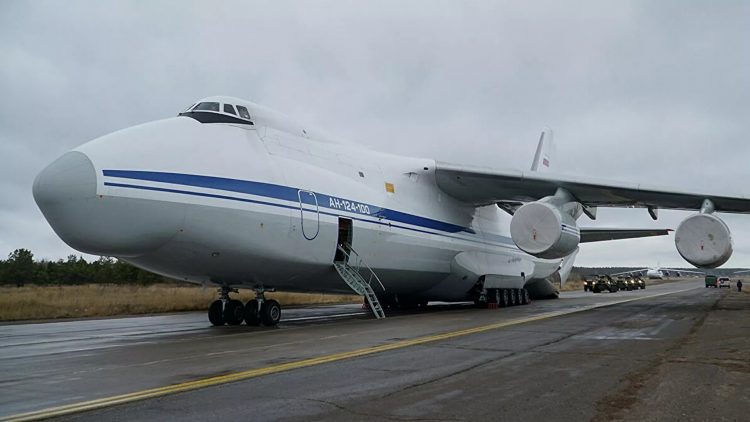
pixel 66 193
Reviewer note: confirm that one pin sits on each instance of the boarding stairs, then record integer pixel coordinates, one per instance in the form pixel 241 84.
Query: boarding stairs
pixel 352 275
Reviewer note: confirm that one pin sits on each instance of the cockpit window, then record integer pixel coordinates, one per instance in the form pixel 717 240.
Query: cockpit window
pixel 228 108
pixel 207 106
pixel 188 108
pixel 243 112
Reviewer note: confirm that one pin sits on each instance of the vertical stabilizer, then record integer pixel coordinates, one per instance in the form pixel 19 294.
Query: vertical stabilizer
pixel 545 152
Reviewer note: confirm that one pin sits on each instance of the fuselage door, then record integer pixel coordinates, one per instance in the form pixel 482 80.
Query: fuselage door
pixel 309 214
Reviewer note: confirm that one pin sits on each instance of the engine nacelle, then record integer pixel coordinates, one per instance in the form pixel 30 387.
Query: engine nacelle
pixel 542 230
pixel 704 240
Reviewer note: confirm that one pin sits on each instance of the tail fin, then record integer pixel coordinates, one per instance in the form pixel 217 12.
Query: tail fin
pixel 545 152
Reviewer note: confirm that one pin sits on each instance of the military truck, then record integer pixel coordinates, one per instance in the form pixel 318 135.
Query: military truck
pixel 623 284
pixel 588 284
pixel 604 282
pixel 632 283
pixel 640 283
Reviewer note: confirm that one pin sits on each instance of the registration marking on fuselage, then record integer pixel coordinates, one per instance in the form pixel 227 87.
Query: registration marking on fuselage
pixel 258 372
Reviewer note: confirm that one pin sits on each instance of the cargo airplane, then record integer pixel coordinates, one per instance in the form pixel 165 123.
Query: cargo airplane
pixel 231 194
pixel 658 273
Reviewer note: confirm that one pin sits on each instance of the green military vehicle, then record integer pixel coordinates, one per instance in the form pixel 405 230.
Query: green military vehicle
pixel 625 283
pixel 588 284
pixel 640 283
pixel 604 282
pixel 712 281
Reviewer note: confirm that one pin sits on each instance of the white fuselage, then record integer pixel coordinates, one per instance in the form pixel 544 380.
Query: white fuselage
pixel 250 206
pixel 654 274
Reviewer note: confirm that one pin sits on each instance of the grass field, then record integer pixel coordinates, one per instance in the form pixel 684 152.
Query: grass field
pixel 572 285
pixel 95 300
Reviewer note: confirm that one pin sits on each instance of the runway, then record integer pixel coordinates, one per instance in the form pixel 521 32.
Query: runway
pixel 571 356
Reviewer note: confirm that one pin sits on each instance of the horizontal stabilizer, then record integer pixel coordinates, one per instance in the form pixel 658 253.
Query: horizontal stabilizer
pixel 598 234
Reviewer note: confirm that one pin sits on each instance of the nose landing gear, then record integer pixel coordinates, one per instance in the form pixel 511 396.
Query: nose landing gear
pixel 232 312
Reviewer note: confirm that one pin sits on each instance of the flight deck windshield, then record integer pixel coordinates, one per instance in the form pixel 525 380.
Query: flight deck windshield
pixel 218 112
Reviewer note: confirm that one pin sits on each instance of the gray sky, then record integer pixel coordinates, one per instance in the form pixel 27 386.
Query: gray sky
pixel 648 91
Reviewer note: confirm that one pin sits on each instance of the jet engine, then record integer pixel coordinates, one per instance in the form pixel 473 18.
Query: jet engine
pixel 543 230
pixel 704 240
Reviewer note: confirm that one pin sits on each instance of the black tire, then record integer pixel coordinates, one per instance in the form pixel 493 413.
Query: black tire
pixel 234 312
pixel 252 316
pixel 270 312
pixel 513 297
pixel 504 298
pixel 216 313
pixel 493 296
pixel 526 296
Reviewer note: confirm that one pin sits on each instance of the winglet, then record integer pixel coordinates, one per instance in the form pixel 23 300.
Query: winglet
pixel 545 152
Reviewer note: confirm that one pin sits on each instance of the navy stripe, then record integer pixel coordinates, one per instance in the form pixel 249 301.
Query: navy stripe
pixel 207 195
pixel 285 193
pixel 502 239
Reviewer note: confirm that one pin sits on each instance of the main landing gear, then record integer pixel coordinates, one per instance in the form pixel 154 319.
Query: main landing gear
pixel 501 298
pixel 233 312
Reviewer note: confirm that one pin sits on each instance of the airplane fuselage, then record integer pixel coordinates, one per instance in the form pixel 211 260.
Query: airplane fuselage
pixel 262 205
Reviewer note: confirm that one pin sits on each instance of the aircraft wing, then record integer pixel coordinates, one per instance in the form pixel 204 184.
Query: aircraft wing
pixel 598 234
pixel 675 270
pixel 484 186
pixel 642 270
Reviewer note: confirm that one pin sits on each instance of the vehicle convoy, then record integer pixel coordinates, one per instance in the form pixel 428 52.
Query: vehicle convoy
pixel 233 195
pixel 724 282
pixel 604 283
pixel 712 281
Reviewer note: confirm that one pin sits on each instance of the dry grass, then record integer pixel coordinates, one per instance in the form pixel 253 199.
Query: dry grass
pixel 572 285
pixel 95 300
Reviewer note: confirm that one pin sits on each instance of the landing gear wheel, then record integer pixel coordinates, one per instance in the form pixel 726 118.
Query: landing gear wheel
pixel 526 296
pixel 270 312
pixel 492 296
pixel 504 298
pixel 513 297
pixel 234 312
pixel 252 316
pixel 216 313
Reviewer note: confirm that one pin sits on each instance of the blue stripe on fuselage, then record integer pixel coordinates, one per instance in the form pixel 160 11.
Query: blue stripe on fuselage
pixel 285 193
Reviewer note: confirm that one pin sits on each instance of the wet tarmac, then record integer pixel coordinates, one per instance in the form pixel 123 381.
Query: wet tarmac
pixel 575 358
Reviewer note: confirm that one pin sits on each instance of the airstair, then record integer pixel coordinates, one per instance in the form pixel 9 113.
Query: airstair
pixel 352 275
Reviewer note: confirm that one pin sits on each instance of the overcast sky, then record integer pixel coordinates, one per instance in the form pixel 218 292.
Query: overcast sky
pixel 646 91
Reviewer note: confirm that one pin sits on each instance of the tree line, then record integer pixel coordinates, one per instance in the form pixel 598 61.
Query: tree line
pixel 21 268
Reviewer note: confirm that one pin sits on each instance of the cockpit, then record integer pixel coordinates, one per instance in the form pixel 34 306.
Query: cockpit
pixel 215 111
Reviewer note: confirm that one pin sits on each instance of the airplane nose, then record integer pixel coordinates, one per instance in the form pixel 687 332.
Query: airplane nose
pixel 63 191
pixel 66 193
